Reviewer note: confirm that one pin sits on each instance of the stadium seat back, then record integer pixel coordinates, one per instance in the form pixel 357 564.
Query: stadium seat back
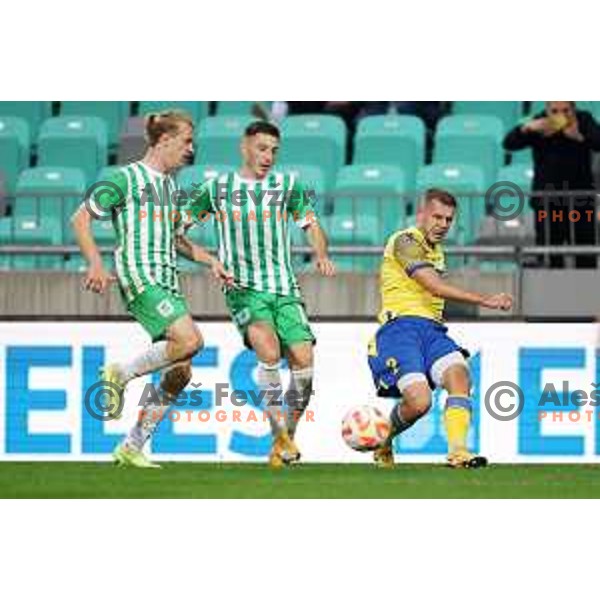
pixel 320 137
pixel 310 176
pixel 113 113
pixel 4 202
pixel 46 199
pixel 470 140
pixel 218 140
pixel 520 174
pixel 393 140
pixel 521 157
pixel 45 232
pixel 34 113
pixel 6 238
pixel 14 149
pixel 375 191
pixel 74 142
pixel 347 231
pixel 238 108
pixel 508 111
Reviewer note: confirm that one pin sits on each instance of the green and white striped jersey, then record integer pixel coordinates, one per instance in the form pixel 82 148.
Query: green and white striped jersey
pixel 253 220
pixel 139 200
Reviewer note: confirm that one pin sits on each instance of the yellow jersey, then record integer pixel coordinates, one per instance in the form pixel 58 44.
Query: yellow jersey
pixel 406 251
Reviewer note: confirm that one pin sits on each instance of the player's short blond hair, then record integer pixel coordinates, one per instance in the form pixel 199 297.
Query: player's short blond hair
pixel 167 122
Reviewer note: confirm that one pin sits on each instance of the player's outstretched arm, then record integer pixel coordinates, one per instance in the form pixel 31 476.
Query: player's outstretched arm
pixel 435 285
pixel 97 278
pixel 201 255
pixel 318 242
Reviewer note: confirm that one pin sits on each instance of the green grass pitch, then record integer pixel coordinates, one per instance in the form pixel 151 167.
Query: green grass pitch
pixel 194 480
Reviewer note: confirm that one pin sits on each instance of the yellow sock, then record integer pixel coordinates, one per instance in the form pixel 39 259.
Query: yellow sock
pixel 457 418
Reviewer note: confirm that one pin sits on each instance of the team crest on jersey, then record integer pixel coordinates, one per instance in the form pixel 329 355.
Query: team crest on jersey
pixel 165 308
pixel 242 317
pixel 392 364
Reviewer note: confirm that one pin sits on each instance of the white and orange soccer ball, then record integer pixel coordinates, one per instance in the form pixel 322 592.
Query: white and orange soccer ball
pixel 365 428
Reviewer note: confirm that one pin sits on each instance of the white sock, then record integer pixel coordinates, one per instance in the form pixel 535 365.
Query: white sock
pixel 269 380
pixel 302 383
pixel 154 359
pixel 149 418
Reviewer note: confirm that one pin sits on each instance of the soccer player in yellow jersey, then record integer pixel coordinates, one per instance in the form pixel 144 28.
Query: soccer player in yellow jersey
pixel 412 354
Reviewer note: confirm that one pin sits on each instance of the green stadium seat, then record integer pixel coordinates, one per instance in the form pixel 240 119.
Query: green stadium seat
pixel 197 110
pixel 522 175
pixel 392 140
pixel 45 232
pixel 6 225
pixel 73 142
pixel 34 113
pixel 320 138
pixel 238 108
pixel 310 176
pixel 46 199
pixel 471 140
pixel 376 191
pixel 313 179
pixel 4 200
pixel 466 182
pixel 218 140
pixel 508 111
pixel 114 113
pixel 521 157
pixel 343 230
pixel 14 149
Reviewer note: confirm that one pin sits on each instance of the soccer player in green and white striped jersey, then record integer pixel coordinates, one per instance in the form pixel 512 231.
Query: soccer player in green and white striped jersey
pixel 254 210
pixel 138 199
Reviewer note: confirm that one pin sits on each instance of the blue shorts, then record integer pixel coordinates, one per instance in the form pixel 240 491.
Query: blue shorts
pixel 408 349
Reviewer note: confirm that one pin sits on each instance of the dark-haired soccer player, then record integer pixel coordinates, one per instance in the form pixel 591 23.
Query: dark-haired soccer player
pixel 411 353
pixel 256 207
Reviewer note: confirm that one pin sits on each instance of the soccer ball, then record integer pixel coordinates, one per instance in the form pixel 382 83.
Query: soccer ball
pixel 365 428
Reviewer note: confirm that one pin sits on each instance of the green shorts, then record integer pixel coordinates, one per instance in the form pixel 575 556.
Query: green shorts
pixel 156 308
pixel 285 314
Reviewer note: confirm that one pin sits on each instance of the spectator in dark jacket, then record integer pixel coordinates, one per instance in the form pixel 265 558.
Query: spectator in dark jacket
pixel 562 140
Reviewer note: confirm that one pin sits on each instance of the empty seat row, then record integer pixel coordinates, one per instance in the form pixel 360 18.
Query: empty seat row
pixel 318 139
pixel 115 113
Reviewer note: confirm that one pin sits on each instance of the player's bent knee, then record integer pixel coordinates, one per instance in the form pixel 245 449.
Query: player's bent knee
pixel 192 344
pixel 457 380
pixel 301 357
pixel 269 355
pixel 267 350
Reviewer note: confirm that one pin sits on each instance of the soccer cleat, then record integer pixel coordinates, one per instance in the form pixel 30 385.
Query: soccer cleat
pixel 465 460
pixel 111 375
pixel 130 457
pixel 284 451
pixel 384 457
